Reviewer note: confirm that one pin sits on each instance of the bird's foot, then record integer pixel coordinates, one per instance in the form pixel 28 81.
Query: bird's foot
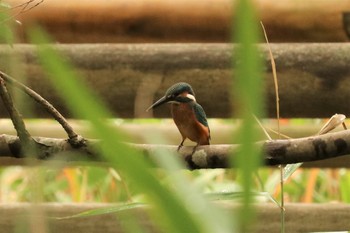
pixel 181 144
pixel 194 149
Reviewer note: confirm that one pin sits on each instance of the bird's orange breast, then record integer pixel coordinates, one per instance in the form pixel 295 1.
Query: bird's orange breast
pixel 188 124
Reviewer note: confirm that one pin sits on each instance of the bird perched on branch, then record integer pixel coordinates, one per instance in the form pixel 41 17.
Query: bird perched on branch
pixel 188 115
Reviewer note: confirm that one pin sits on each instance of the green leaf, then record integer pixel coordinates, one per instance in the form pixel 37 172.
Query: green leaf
pixel 6 31
pixel 177 208
pixel 289 169
pixel 247 92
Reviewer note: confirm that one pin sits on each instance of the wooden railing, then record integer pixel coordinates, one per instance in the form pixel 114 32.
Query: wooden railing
pixel 118 21
pixel 313 78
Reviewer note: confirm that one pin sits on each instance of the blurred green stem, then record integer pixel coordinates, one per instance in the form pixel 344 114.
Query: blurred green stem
pixel 247 93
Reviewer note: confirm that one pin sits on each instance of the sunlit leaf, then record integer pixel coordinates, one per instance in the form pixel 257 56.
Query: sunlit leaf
pixel 332 123
pixel 289 169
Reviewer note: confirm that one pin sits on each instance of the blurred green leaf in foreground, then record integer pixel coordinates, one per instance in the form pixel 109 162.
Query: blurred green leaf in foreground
pixel 181 209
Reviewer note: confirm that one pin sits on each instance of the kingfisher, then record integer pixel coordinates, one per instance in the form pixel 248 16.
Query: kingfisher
pixel 187 114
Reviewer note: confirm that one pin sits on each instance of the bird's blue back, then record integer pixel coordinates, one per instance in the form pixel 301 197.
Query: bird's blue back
pixel 200 114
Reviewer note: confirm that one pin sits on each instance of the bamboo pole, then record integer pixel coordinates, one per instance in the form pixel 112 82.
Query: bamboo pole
pixel 115 21
pixel 299 217
pixel 314 79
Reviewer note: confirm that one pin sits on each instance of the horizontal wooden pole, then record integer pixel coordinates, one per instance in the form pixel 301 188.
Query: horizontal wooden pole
pixel 174 21
pixel 139 133
pixel 313 78
pixel 274 152
pixel 299 217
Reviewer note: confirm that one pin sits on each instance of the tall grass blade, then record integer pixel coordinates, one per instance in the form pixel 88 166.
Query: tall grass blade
pixel 275 81
pixel 171 206
pixel 6 27
pixel 247 93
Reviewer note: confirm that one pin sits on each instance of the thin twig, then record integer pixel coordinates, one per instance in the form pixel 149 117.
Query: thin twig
pixel 24 8
pixel 344 126
pixel 262 127
pixel 281 135
pixel 73 137
pixel 275 80
pixel 15 116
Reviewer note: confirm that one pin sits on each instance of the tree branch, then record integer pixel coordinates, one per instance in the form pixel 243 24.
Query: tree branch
pixel 74 138
pixel 16 117
pixel 275 152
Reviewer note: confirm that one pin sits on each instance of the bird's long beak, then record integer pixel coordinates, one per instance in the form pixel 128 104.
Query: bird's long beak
pixel 158 103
